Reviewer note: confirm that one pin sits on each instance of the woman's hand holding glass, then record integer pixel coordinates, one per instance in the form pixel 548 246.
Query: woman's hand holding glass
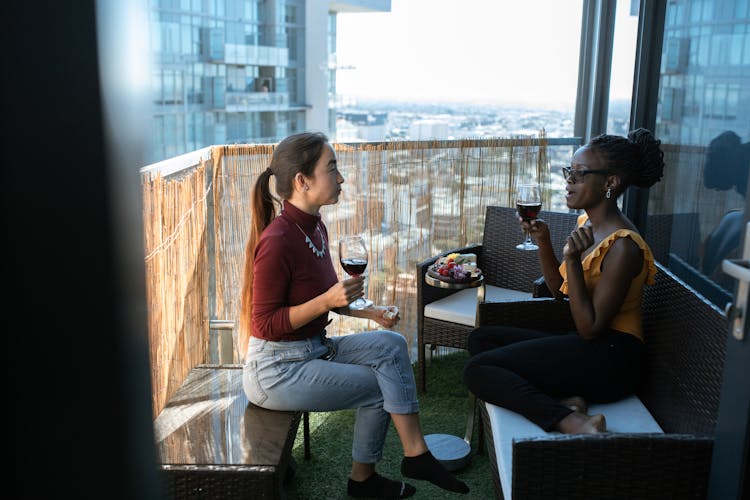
pixel 354 257
pixel 537 228
pixel 346 291
pixel 528 204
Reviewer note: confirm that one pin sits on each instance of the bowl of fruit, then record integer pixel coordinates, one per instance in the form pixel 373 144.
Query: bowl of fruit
pixel 456 268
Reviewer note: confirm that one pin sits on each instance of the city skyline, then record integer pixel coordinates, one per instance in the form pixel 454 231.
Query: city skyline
pixel 404 54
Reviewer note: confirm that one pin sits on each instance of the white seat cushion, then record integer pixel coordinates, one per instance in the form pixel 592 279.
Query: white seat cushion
pixel 626 415
pixel 461 307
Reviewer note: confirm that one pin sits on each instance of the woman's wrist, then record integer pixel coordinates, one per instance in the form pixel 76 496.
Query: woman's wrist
pixel 544 243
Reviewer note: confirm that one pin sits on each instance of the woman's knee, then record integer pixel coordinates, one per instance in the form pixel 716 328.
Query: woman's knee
pixel 393 341
pixel 477 340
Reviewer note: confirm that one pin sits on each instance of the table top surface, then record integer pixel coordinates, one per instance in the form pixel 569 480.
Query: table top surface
pixel 453 285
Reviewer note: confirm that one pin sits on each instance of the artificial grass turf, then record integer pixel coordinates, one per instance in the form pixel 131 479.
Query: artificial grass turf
pixel 443 410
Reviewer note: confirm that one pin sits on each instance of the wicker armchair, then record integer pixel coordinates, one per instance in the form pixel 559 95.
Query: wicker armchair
pixel 685 243
pixel 503 267
pixel 686 345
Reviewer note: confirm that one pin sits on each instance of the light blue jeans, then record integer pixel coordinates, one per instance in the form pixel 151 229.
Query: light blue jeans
pixel 369 371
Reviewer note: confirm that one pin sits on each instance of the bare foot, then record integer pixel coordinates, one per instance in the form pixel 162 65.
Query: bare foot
pixel 576 403
pixel 580 423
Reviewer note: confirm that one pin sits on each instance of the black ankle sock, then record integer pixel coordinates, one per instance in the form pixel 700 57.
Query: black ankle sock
pixel 377 486
pixel 426 466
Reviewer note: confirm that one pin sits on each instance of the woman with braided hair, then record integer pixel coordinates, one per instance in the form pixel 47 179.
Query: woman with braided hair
pixel 549 377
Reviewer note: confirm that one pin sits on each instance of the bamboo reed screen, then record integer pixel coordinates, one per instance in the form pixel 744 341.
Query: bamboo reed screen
pixel 409 199
pixel 175 226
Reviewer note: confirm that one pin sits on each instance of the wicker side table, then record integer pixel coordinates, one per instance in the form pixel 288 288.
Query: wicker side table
pixel 452 451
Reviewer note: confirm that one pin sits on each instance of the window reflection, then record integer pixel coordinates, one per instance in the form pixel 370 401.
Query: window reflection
pixel 703 120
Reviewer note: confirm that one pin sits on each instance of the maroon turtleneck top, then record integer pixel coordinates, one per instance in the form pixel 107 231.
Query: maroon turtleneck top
pixel 288 273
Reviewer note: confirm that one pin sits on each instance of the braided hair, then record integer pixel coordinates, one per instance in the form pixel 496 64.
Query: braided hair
pixel 637 159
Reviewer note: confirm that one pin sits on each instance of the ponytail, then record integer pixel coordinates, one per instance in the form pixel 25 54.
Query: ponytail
pixel 264 211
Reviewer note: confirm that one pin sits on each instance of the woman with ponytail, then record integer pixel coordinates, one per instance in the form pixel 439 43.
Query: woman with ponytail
pixel 289 288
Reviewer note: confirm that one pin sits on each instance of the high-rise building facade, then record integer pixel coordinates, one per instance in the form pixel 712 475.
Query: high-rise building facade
pixel 238 71
pixel 705 71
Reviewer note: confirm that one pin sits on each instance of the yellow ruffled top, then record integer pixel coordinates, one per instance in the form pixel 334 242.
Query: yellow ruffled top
pixel 628 319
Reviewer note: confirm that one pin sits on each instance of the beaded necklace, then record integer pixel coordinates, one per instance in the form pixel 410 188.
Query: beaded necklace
pixel 313 248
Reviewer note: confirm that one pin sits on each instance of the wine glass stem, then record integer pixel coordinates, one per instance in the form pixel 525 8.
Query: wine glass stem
pixel 357 301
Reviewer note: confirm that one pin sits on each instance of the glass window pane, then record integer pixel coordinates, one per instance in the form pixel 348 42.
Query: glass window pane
pixel 707 153
pixel 503 61
pixel 623 62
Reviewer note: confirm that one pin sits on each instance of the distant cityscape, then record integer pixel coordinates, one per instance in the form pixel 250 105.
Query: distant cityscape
pixel 238 72
pixel 379 120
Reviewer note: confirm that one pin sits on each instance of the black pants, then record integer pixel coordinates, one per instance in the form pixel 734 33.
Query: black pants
pixel 528 371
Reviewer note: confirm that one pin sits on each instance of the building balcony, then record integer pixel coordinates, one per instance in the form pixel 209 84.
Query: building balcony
pixel 255 55
pixel 256 101
pixel 195 219
pixel 410 199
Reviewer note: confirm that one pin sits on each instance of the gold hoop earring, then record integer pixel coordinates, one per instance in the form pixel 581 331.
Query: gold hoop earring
pixel 609 193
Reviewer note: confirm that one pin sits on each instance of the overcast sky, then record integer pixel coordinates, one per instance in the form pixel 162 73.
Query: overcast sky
pixel 486 50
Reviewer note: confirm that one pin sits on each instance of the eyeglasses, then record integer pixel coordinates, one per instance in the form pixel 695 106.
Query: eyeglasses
pixel 577 176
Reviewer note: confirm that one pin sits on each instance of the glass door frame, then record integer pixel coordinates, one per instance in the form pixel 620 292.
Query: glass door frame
pixel 728 477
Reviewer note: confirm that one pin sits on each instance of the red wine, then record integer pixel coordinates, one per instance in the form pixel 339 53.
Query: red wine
pixel 354 267
pixel 528 211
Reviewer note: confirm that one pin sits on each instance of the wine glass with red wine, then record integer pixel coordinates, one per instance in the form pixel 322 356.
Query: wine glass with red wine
pixel 353 257
pixel 528 204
